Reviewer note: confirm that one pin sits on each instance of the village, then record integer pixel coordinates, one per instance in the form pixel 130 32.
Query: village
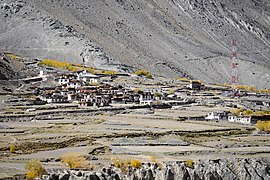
pixel 99 90
pixel 110 116
pixel 134 90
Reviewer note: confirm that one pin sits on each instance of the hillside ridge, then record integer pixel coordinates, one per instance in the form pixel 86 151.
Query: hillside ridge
pixel 173 38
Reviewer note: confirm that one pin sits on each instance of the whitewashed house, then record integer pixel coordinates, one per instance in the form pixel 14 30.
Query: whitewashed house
pixel 71 97
pixel 217 116
pixel 240 119
pixel 248 119
pixel 74 84
pixel 65 78
pixel 46 98
pixel 87 77
pixel 146 98
pixel 195 85
pixel 94 100
pixel 54 98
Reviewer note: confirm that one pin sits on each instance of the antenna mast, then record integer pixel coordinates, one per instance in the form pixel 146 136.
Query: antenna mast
pixel 234 66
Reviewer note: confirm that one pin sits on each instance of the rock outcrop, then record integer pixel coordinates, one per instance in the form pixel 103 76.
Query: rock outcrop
pixel 13 69
pixel 220 169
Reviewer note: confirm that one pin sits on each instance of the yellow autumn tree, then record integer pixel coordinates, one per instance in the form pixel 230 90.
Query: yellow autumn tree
pixel 135 163
pixel 35 169
pixel 144 73
pixel 263 126
pixel 76 160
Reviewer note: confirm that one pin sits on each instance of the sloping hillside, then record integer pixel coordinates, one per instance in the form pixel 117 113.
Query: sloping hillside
pixel 14 68
pixel 168 37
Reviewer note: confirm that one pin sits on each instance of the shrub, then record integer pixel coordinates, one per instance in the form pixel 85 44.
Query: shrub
pixel 135 163
pixel 12 149
pixel 248 112
pixel 171 91
pixel 157 94
pixel 184 79
pixel 54 63
pixel 123 164
pixel 65 65
pixel 261 112
pixel 199 81
pixel 79 65
pixel 72 68
pixel 91 70
pixel 12 56
pixel 153 159
pixel 266 91
pixel 141 72
pixel 236 112
pixel 144 73
pixel 226 85
pixel 76 160
pixel 111 72
pixel 266 112
pixel 31 175
pixel 138 90
pixel 189 163
pixel 35 169
pixel 247 88
pixel 263 126
pixel 119 163
pixel 148 75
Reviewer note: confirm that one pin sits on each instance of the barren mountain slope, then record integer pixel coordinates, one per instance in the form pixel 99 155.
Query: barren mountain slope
pixel 168 37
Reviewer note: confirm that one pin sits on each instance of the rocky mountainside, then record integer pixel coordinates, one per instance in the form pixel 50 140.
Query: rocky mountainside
pixel 225 169
pixel 13 69
pixel 172 38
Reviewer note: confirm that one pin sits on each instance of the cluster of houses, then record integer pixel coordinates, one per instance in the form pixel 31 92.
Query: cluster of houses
pixel 86 89
pixel 242 119
pixel 195 85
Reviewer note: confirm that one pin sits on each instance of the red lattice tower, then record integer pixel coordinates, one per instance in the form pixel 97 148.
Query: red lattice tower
pixel 234 66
